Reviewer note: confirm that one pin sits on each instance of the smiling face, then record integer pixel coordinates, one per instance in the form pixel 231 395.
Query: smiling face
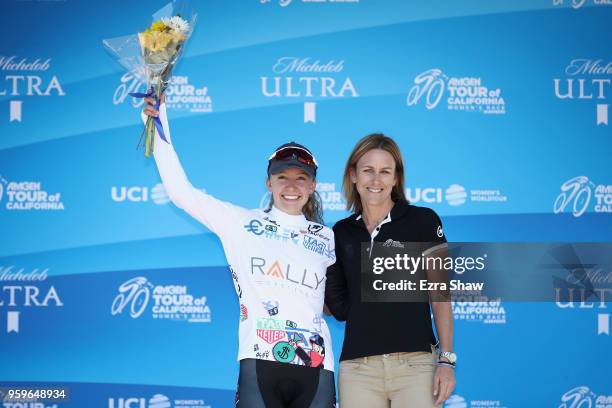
pixel 291 189
pixel 374 177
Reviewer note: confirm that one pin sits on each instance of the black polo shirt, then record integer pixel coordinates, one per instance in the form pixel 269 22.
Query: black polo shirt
pixel 379 328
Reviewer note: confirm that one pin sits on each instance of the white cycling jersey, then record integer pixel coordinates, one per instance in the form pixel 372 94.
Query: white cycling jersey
pixel 278 264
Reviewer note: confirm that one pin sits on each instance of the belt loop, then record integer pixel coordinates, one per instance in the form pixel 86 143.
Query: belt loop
pixel 365 360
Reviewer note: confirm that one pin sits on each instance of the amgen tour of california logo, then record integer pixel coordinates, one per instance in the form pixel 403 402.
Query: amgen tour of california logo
pixel 578 193
pixel 27 196
pixel 469 94
pixel 490 311
pixel 583 397
pixel 180 94
pixel 171 302
pixel 331 197
pixel 587 80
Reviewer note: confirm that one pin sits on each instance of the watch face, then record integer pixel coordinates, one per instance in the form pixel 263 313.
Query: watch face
pixel 452 357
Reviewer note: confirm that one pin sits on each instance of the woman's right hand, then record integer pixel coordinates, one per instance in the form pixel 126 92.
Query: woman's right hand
pixel 150 106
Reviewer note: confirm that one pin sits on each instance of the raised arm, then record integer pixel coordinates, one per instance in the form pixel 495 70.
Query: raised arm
pixel 216 215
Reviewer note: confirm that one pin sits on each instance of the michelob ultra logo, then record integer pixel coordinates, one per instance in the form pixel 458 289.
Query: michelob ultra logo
pixel 305 78
pixel 23 78
pixel 587 80
pixel 21 290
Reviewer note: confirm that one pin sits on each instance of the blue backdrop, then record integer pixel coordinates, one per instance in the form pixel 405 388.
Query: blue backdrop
pixel 501 111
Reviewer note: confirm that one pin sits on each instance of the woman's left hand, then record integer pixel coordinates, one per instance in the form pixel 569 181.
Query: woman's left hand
pixel 444 383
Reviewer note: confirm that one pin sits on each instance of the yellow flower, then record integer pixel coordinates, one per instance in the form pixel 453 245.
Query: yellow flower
pixel 145 40
pixel 156 41
pixel 177 37
pixel 158 26
pixel 161 40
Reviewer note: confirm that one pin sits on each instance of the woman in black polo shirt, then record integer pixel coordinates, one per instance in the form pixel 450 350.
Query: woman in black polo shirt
pixel 389 354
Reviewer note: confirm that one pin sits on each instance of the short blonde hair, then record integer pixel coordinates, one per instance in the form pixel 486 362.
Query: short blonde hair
pixel 371 142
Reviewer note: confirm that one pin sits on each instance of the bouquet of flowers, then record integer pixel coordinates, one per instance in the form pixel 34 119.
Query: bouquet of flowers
pixel 152 54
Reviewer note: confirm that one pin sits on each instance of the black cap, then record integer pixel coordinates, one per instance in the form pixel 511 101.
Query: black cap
pixel 297 156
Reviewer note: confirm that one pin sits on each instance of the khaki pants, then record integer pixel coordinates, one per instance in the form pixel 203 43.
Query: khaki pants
pixel 397 380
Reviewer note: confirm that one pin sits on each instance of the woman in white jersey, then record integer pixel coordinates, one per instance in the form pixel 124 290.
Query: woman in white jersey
pixel 278 259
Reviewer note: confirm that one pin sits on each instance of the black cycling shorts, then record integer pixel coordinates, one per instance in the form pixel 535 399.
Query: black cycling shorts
pixel 270 384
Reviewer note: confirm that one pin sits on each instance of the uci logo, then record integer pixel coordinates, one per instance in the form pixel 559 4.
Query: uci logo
pixel 157 194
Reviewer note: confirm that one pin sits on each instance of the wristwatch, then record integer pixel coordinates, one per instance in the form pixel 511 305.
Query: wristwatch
pixel 449 355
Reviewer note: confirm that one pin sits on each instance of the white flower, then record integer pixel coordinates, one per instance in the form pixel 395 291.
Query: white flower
pixel 176 23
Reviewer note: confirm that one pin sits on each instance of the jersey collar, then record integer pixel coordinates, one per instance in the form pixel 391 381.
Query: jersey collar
pixel 400 207
pixel 287 219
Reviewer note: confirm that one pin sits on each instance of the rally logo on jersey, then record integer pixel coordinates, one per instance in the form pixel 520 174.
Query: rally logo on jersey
pixel 295 276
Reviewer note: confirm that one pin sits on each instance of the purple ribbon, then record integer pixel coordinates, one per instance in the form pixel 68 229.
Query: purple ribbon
pixel 158 124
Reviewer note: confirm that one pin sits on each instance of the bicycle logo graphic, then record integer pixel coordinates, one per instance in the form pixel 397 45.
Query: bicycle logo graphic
pixel 575 3
pixel 430 84
pixel 282 3
pixel 579 397
pixel 129 83
pixel 136 292
pixel 577 190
